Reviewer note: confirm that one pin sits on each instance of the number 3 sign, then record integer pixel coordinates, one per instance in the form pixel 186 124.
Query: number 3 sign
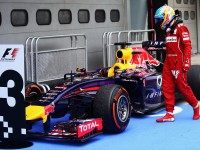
pixel 12 104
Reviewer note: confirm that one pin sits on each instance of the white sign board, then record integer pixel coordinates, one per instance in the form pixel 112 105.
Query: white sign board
pixel 12 92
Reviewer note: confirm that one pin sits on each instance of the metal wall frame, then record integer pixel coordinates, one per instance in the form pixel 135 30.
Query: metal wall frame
pixel 32 52
pixel 130 36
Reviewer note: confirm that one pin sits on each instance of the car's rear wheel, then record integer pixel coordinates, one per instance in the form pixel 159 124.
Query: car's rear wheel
pixel 112 104
pixel 194 80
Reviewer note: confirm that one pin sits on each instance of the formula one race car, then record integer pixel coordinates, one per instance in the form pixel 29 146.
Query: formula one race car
pixel 132 84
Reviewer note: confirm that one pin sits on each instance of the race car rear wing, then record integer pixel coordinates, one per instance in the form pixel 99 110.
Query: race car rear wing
pixel 154 45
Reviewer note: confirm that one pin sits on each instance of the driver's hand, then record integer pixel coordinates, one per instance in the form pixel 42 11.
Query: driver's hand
pixel 186 66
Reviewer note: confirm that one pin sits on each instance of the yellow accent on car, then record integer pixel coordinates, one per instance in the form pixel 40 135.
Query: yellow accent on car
pixel 123 57
pixel 35 112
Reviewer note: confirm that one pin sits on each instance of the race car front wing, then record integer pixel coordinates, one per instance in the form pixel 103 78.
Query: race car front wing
pixel 78 129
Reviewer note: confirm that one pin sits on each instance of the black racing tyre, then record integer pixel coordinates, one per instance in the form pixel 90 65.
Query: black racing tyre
pixel 112 104
pixel 33 92
pixel 194 80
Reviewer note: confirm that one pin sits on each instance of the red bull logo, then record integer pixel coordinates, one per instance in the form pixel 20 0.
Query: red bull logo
pixel 141 59
pixel 49 109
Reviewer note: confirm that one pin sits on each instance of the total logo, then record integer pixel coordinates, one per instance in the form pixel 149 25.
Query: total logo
pixel 89 126
pixel 9 54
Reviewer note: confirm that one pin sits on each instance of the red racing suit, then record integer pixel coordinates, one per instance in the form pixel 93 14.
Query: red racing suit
pixel 176 65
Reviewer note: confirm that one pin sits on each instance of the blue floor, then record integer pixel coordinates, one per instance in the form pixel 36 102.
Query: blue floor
pixel 143 133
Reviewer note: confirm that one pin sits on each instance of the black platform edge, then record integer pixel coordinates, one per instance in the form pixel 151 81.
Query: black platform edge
pixel 15 144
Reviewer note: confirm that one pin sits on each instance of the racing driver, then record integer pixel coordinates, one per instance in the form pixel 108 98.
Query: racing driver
pixel 177 62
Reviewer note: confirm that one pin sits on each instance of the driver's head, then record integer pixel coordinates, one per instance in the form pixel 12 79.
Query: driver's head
pixel 163 16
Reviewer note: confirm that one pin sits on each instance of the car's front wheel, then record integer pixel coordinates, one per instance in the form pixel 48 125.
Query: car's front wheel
pixel 112 104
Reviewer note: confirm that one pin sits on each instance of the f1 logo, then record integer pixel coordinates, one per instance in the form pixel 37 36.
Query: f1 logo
pixel 6 52
pixel 10 53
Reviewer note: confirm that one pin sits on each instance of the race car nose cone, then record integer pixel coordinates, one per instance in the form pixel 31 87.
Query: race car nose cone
pixel 35 112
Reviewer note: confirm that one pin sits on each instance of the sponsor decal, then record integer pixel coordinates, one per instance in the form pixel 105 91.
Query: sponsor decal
pixel 186 39
pixel 185 36
pixel 171 39
pixel 175 73
pixel 153 95
pixel 157 43
pixel 49 109
pixel 141 59
pixel 88 127
pixel 52 94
